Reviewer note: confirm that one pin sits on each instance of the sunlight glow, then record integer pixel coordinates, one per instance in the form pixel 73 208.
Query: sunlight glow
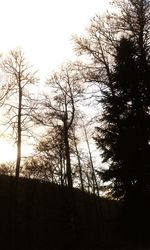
pixel 7 151
pixel 43 28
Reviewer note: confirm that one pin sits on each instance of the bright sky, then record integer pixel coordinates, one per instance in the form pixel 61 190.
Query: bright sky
pixel 43 29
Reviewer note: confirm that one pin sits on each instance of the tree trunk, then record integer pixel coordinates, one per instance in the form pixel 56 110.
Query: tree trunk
pixel 67 155
pixel 18 161
pixel 79 162
pixel 94 180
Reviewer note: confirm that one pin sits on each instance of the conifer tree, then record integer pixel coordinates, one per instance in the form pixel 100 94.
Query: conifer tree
pixel 117 48
pixel 124 135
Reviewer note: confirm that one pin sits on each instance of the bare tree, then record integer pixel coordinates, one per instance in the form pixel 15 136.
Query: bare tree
pixel 48 162
pixel 18 102
pixel 99 46
pixel 60 106
pixel 7 168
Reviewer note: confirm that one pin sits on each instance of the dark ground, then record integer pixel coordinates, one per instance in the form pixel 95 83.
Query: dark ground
pixel 42 216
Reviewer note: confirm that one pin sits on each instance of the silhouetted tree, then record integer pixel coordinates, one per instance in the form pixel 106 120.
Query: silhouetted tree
pixel 18 105
pixel 48 164
pixel 7 168
pixel 124 93
pixel 124 133
pixel 59 107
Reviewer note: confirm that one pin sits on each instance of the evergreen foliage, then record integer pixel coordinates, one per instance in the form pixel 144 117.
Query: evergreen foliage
pixel 124 136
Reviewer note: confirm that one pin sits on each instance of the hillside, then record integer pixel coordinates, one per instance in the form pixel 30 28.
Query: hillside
pixel 40 216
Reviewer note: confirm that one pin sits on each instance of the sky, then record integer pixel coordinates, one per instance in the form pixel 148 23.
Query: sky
pixel 43 29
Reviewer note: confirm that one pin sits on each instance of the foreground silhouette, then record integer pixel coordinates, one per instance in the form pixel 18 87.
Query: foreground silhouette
pixel 47 216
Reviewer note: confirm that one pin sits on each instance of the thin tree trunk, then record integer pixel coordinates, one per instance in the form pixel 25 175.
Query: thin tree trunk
pixel 79 162
pixel 61 170
pixel 18 161
pixel 67 154
pixel 94 180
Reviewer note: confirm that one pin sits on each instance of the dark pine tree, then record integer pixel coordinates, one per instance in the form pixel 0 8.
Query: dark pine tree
pixel 124 137
pixel 125 134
